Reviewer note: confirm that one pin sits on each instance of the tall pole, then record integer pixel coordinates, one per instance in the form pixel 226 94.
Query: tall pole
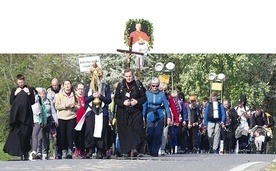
pixel 172 79
pixel 210 90
pixel 221 91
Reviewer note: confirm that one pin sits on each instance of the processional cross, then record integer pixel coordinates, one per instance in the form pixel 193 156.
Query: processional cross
pixel 130 52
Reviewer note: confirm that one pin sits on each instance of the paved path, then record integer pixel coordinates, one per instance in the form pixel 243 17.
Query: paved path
pixel 192 162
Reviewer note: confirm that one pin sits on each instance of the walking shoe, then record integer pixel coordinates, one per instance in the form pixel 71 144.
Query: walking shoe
pixel 20 157
pixel 89 154
pixel 195 150
pixel 59 156
pixel 76 153
pixel 118 154
pixel 38 156
pixel 125 155
pixel 94 154
pixel 99 155
pixel 154 155
pixel 69 154
pixel 26 156
pixel 83 155
pixel 108 154
pixel 32 155
pixel 134 153
pixel 163 152
pixel 45 157
pixel 64 154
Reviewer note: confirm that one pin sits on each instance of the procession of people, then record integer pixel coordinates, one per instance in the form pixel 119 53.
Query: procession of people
pixel 87 121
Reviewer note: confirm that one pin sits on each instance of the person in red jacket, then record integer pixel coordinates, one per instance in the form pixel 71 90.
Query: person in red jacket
pixel 80 135
pixel 168 128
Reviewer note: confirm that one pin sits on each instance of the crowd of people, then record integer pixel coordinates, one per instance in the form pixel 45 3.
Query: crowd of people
pixel 86 121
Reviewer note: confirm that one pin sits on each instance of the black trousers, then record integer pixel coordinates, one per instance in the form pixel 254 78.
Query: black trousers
pixel 228 137
pixel 79 138
pixel 130 131
pixel 67 132
pixel 90 141
pixel 184 137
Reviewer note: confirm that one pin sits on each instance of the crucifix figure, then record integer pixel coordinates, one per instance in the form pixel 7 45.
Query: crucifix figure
pixel 130 52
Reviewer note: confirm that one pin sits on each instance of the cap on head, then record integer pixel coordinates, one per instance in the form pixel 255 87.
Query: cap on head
pixel 192 98
pixel 240 100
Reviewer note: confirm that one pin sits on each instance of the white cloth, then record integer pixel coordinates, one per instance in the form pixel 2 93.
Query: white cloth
pixel 80 123
pixel 215 108
pixel 98 119
pixel 98 125
pixel 143 49
pixel 244 123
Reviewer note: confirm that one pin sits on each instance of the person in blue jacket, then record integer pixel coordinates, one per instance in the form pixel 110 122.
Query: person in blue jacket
pixel 155 110
pixel 214 117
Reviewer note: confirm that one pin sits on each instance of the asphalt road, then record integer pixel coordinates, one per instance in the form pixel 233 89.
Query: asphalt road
pixel 191 162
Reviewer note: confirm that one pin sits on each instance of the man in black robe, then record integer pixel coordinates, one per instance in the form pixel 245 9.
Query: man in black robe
pixel 129 98
pixel 97 98
pixel 21 120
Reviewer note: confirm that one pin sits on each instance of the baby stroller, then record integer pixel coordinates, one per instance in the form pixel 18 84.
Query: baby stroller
pixel 243 142
pixel 258 139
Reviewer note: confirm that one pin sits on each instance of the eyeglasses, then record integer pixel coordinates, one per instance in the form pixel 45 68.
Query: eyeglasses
pixel 155 85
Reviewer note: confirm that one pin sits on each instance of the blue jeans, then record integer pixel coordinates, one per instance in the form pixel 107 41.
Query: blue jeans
pixel 154 135
pixel 117 143
pixel 174 136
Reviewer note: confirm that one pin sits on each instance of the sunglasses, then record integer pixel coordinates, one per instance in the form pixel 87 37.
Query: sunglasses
pixel 155 85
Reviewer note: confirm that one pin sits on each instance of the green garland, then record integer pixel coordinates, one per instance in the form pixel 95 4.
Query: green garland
pixel 131 22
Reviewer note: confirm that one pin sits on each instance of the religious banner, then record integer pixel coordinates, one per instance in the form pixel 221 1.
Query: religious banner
pixel 85 63
pixel 141 31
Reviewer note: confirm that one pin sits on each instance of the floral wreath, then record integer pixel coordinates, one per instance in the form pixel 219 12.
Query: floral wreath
pixel 131 22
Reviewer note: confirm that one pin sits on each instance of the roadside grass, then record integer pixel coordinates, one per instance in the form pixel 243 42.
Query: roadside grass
pixel 5 156
pixel 271 167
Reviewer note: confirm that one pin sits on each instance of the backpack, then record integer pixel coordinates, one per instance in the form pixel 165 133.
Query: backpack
pixel 270 123
pixel 270 120
pixel 138 84
pixel 43 117
pixel 211 112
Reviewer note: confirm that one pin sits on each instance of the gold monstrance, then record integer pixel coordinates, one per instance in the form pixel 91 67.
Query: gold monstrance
pixel 96 75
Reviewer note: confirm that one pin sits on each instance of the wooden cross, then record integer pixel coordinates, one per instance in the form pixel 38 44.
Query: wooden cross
pixel 129 51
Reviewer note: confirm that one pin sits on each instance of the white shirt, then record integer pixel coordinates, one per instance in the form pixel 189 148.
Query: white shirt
pixel 36 110
pixel 215 109
pixel 244 123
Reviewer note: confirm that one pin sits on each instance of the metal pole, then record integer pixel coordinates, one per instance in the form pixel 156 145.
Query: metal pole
pixel 210 90
pixel 221 91
pixel 172 79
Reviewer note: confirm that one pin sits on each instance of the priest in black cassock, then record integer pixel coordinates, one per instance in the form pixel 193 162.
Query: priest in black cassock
pixel 21 120
pixel 130 96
